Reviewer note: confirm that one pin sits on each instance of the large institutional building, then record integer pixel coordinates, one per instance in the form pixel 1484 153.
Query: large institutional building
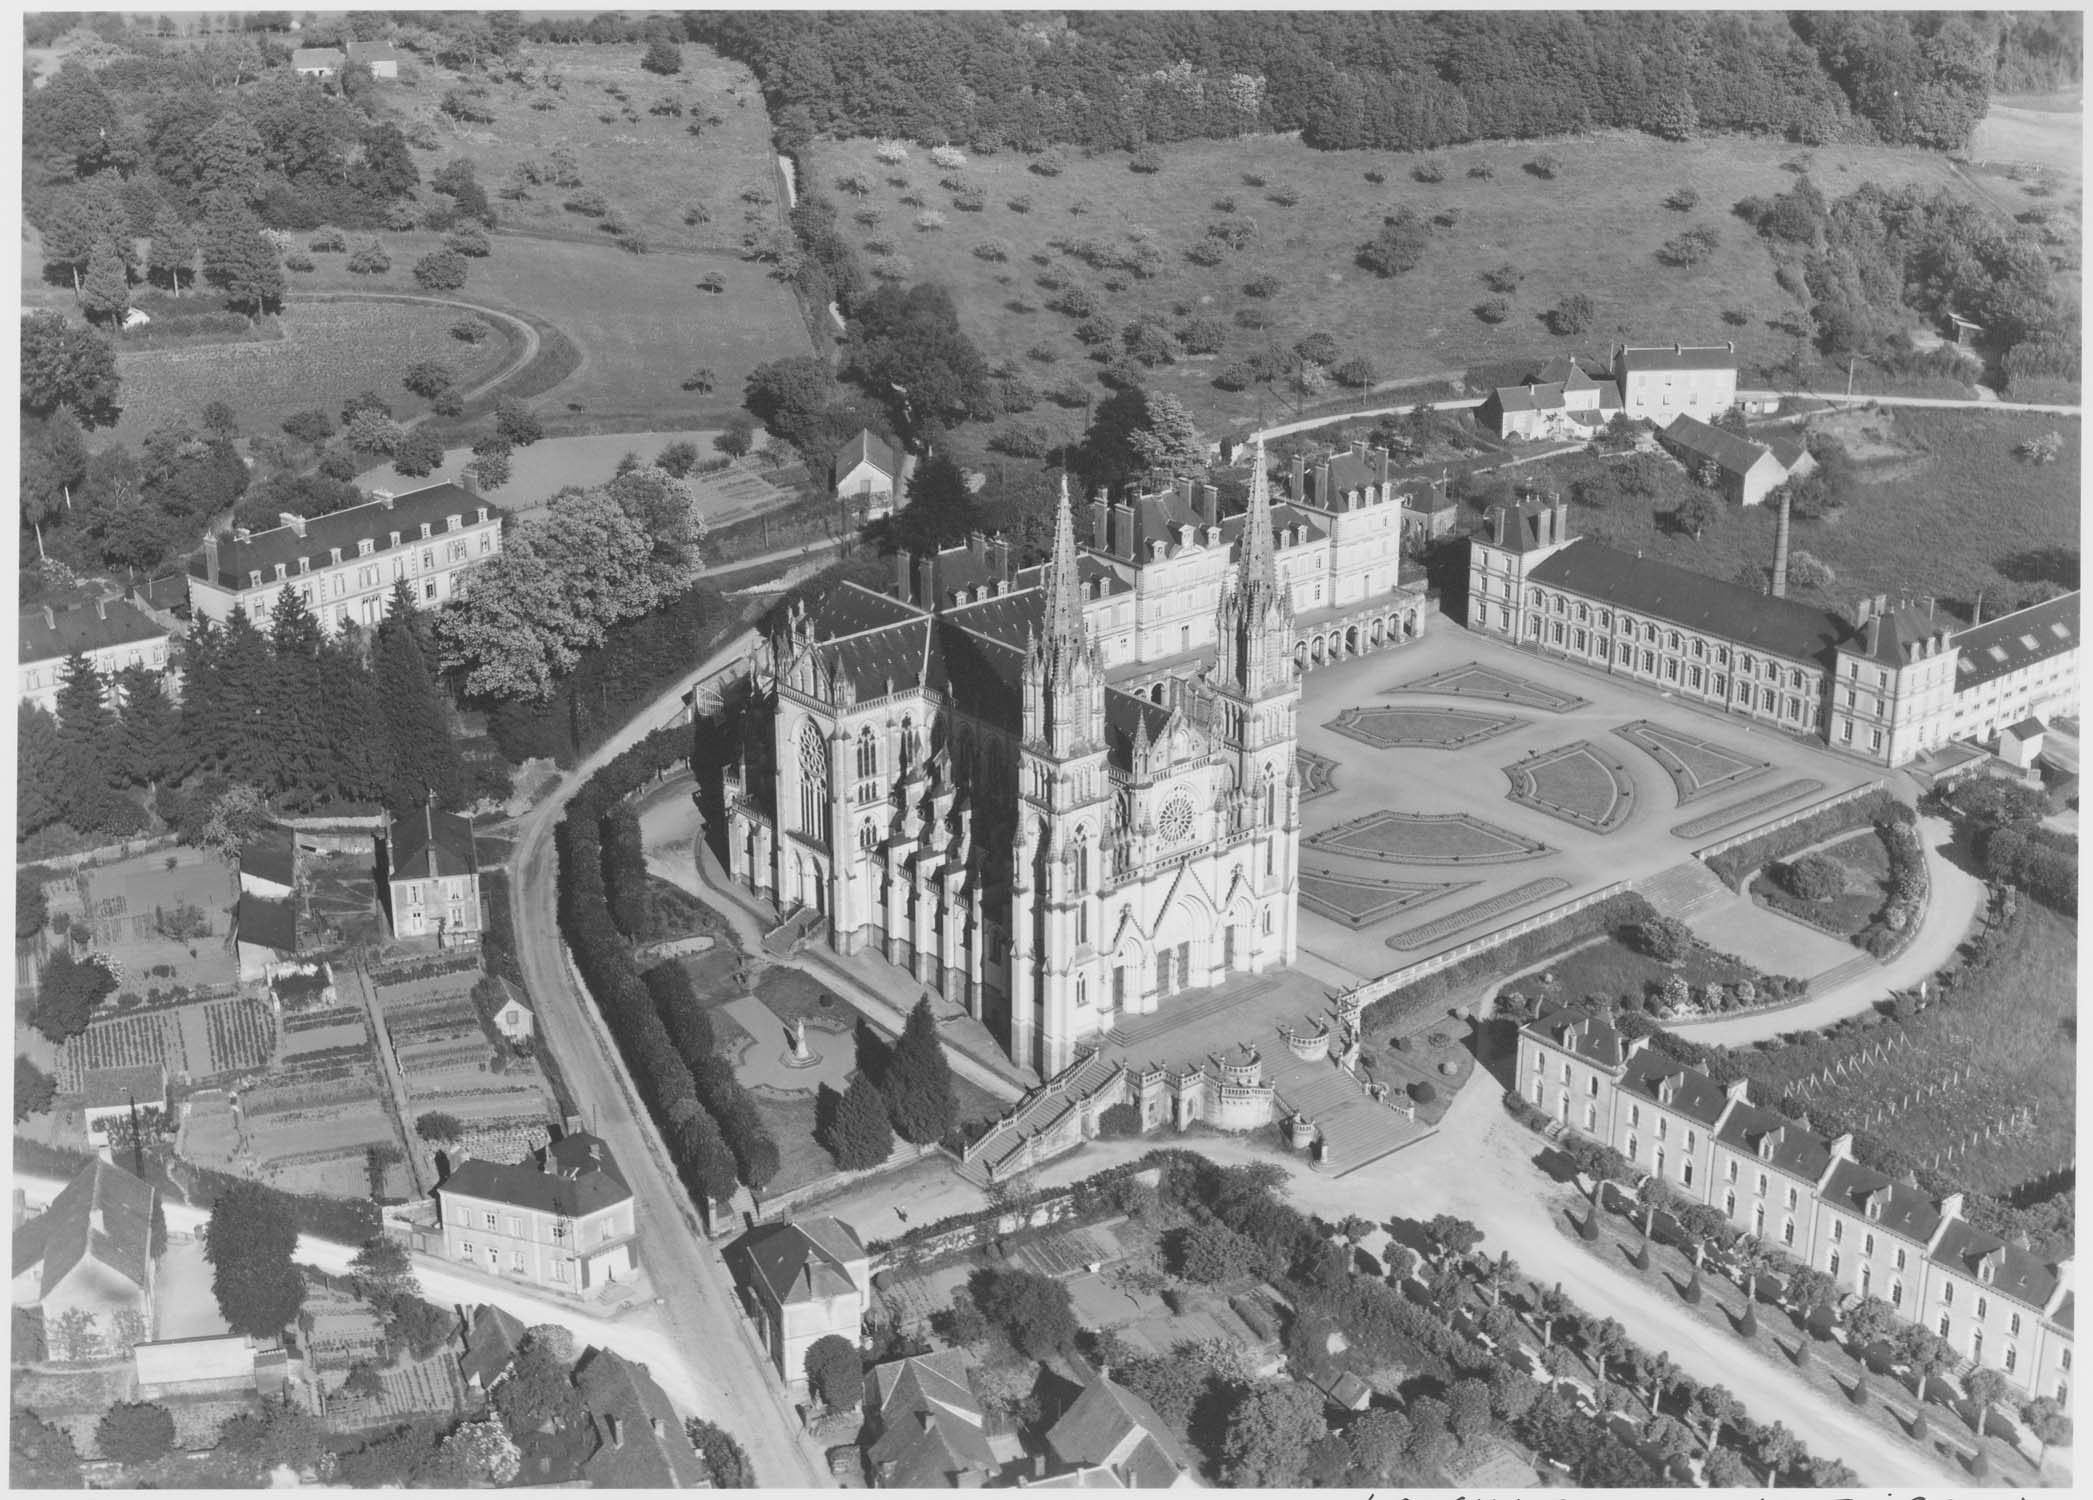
pixel 1886 683
pixel 1064 795
pixel 1997 1303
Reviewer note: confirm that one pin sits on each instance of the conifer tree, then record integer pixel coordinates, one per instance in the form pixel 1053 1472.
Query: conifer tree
pixel 249 744
pixel 39 791
pixel 106 293
pixel 411 715
pixel 84 739
pixel 173 252
pixel 203 697
pixel 859 1135
pixel 294 649
pixel 919 1081
pixel 359 758
pixel 148 748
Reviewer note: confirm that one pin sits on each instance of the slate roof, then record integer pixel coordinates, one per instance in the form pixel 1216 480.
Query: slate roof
pixel 1902 628
pixel 866 448
pixel 1796 1151
pixel 1904 1210
pixel 372 521
pixel 491 1341
pixel 2027 728
pixel 269 922
pixel 2065 1312
pixel 1703 440
pixel 571 1177
pixel 112 1088
pixel 1550 395
pixel 1789 449
pixel 1124 714
pixel 29 1239
pixel 931 1424
pixel 1570 372
pixel 624 1404
pixel 1731 611
pixel 1677 357
pixel 271 854
pixel 370 52
pixel 84 628
pixel 432 845
pixel 803 1260
pixel 1103 1418
pixel 2018 640
pixel 1523 522
pixel 2016 1273
pixel 854 608
pixel 1581 1032
pixel 104 1214
pixel 1693 1093
pixel 316 57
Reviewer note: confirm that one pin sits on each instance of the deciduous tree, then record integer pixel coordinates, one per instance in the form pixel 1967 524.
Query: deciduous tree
pixel 1268 1436
pixel 249 1240
pixel 135 1432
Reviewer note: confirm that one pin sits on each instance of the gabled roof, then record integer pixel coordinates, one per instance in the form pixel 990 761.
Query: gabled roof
pixel 1901 1209
pixel 1567 371
pixel 867 449
pixel 85 628
pixel 1547 397
pixel 492 1338
pixel 2018 640
pixel 1695 601
pixel 267 921
pixel 432 845
pixel 2027 728
pixel 271 854
pixel 931 1424
pixel 1099 1425
pixel 1580 1031
pixel 572 1177
pixel 1125 715
pixel 316 57
pixel 370 52
pixel 374 521
pixel 2016 1273
pixel 804 1260
pixel 1789 449
pixel 104 1214
pixel 1634 359
pixel 1702 440
pixel 642 1442
pixel 1796 1150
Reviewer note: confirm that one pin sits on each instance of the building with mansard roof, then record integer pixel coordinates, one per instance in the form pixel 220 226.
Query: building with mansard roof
pixel 1064 795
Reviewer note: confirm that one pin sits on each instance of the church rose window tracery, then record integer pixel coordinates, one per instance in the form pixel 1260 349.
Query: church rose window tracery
pixel 1175 825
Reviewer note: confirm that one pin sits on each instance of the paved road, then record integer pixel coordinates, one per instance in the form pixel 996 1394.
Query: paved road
pixel 702 1314
pixel 1992 403
pixel 1480 1166
pixel 1953 902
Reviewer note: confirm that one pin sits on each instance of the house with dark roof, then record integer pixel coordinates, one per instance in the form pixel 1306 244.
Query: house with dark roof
pixel 432 878
pixel 112 634
pixel 801 1281
pixel 561 1218
pixel 929 1430
pixel 1661 381
pixel 345 566
pixel 2015 667
pixel 641 1442
pixel 868 472
pixel 88 1263
pixel 316 62
pixel 382 58
pixel 1110 1431
pixel 269 862
pixel 1797 1191
pixel 492 1337
pixel 1741 471
pixel 265 934
pixel 1559 400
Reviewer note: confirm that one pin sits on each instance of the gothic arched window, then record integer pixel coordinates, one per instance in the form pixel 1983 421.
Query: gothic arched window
pixel 868 753
pixel 1271 797
pixel 813 782
pixel 908 744
pixel 1079 862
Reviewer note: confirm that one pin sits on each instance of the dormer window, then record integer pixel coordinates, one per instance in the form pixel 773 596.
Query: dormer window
pixel 425 531
pixel 1988 1267
pixel 1874 1206
pixel 1766 1143
pixel 334 554
pixel 254 579
pixel 304 565
pixel 282 572
pixel 365 547
pixel 393 539
pixel 453 523
pixel 482 513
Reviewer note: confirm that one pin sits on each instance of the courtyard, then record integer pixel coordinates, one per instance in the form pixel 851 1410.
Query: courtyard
pixel 1459 784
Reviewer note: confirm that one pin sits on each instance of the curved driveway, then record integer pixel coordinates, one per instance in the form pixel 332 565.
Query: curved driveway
pixel 531 341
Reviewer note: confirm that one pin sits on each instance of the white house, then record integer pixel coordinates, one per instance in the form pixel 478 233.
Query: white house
pixel 111 633
pixel 1663 381
pixel 868 475
pixel 433 878
pixel 380 57
pixel 514 1019
pixel 317 62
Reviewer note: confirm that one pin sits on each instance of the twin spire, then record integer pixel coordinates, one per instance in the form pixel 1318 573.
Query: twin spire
pixel 1064 581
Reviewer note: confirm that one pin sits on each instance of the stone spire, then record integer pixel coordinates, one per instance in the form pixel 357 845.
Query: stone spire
pixel 1064 585
pixel 1064 671
pixel 1260 562
pixel 1255 619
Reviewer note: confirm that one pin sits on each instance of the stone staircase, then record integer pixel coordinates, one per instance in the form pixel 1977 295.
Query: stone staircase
pixel 1845 973
pixel 1038 1113
pixel 1355 1128
pixel 1683 888
pixel 790 933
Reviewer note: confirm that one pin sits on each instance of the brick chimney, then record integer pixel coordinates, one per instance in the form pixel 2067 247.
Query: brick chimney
pixel 1562 519
pixel 1300 478
pixel 1101 522
pixel 1874 633
pixel 1780 548
pixel 1208 506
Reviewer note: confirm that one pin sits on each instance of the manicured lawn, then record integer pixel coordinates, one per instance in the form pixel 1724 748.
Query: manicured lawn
pixel 1929 475
pixel 1595 229
pixel 1867 867
pixel 329 351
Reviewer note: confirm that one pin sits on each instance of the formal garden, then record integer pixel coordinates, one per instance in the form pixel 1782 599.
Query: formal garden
pixel 1580 783
pixel 1655 965
pixel 1422 728
pixel 1426 839
pixel 1474 680
pixel 1697 767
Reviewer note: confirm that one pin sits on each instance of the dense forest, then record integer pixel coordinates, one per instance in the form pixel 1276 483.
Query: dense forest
pixel 1391 80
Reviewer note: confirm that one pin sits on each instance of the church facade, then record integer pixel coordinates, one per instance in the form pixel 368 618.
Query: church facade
pixel 1059 796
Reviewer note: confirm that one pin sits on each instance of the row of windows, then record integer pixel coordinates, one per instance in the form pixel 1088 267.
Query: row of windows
pixel 369 576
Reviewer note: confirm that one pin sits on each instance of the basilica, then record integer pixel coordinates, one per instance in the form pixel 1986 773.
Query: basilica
pixel 1061 796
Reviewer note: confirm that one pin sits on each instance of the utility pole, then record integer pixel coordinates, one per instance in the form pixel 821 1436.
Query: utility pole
pixel 1849 376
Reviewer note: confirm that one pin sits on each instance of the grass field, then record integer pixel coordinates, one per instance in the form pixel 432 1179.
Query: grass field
pixel 328 352
pixel 1594 229
pixel 1947 509
pixel 639 322
pixel 1866 862
pixel 2016 1035
pixel 651 170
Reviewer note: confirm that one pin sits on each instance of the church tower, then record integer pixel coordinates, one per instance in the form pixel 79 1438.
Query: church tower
pixel 1064 799
pixel 1257 697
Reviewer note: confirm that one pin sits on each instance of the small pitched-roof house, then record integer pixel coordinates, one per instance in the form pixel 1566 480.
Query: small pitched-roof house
pixel 1746 472
pixel 513 1019
pixel 802 1281
pixel 1559 400
pixel 492 1337
pixel 1112 1431
pixel 868 475
pixel 317 62
pixel 432 879
pixel 641 1443
pixel 382 58
pixel 560 1218
pixel 932 1430
pixel 93 1268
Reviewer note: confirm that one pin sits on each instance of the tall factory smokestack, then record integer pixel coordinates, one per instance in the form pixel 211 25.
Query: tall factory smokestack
pixel 1780 549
